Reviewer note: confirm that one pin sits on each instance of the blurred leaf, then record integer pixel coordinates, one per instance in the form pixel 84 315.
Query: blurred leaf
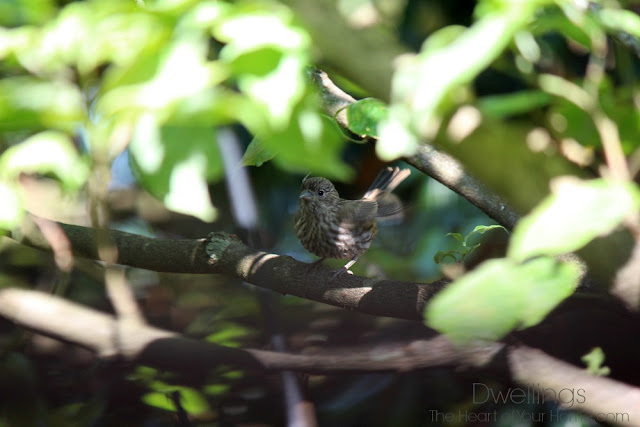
pixel 216 389
pixel 437 70
pixel 256 154
pixel 514 103
pixel 229 335
pixel 28 103
pixel 13 13
pixel 570 121
pixel 11 211
pixel 162 79
pixel 576 213
pixel 234 375
pixel 267 54
pixel 364 115
pixel 311 143
pixel 175 163
pixel 619 20
pixel 245 30
pixel 595 361
pixel 423 86
pixel 46 152
pixel 555 21
pixel 191 400
pixel 500 296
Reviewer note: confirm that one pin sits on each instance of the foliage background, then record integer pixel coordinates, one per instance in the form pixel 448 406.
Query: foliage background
pixel 117 114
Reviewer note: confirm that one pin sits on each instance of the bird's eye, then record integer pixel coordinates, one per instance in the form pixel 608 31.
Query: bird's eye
pixel 320 192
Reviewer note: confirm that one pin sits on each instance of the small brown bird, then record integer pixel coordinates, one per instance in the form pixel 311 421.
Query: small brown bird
pixel 331 227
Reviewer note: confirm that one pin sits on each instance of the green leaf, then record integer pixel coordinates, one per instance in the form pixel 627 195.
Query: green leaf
pixel 619 20
pixel 500 106
pixel 594 361
pixel 456 236
pixel 11 211
pixel 267 54
pixel 364 115
pixel 481 229
pixel 28 103
pixel 48 152
pixel 575 214
pixel 570 121
pixel 175 164
pixel 311 143
pixel 256 154
pixel 191 400
pixel 216 389
pixel 230 334
pixel 500 296
pixel 441 256
pixel 160 80
pixel 439 69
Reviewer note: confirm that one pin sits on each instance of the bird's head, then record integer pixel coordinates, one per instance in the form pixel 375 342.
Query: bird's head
pixel 317 191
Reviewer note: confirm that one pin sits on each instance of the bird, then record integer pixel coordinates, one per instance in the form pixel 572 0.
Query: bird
pixel 331 227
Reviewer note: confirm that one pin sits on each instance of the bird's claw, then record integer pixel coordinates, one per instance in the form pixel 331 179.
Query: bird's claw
pixel 340 272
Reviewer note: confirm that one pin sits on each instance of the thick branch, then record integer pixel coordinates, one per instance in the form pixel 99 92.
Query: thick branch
pixel 228 255
pixel 435 163
pixel 102 333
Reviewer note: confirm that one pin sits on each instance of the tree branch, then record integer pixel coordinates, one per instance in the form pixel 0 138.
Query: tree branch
pixel 435 163
pixel 105 335
pixel 225 254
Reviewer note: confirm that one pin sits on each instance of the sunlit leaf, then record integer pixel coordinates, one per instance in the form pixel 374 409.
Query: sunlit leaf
pixel 365 115
pixel 11 211
pixel 191 400
pixel 177 73
pixel 424 82
pixel 48 152
pixel 175 163
pixel 230 335
pixel 215 389
pixel 311 143
pixel 248 31
pixel 576 213
pixel 481 229
pixel 27 103
pixel 621 20
pixel 595 362
pixel 500 296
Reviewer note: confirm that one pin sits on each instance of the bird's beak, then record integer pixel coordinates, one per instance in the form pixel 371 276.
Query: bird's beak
pixel 306 195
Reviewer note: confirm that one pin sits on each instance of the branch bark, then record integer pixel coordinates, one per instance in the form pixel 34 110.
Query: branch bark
pixel 435 163
pixel 108 337
pixel 224 254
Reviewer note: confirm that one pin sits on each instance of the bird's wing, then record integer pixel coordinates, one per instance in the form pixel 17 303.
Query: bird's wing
pixel 352 211
pixel 390 207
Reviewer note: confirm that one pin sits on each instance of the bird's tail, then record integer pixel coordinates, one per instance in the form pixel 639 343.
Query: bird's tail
pixel 380 190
